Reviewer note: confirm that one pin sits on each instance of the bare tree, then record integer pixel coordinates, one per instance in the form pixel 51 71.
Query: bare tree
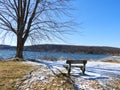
pixel 33 20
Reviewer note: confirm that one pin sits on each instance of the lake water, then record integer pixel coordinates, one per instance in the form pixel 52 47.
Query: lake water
pixel 6 54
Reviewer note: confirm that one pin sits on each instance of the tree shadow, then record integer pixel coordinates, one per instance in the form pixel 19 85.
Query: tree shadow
pixel 99 68
pixel 42 62
pixel 111 72
pixel 49 65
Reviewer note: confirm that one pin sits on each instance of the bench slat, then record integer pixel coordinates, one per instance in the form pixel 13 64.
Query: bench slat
pixel 76 61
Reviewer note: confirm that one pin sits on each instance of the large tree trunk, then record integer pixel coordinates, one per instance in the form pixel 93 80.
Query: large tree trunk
pixel 19 48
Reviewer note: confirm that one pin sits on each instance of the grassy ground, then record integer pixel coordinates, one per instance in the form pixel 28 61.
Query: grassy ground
pixel 12 72
pixel 111 61
pixel 114 84
pixel 57 83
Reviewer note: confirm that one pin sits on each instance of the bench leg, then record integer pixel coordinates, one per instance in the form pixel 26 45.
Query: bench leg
pixel 83 70
pixel 69 69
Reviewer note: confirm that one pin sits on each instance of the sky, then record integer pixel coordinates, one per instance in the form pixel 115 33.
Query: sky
pixel 99 24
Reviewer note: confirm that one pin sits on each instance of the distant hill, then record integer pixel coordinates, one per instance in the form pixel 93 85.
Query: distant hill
pixel 69 48
pixel 75 49
pixel 7 47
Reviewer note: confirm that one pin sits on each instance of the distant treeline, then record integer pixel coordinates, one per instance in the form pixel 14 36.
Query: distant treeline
pixel 75 49
pixel 69 48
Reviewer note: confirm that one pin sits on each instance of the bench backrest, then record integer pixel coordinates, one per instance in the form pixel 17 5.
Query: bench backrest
pixel 76 62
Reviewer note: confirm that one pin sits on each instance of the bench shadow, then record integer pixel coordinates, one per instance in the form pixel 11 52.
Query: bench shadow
pixel 88 77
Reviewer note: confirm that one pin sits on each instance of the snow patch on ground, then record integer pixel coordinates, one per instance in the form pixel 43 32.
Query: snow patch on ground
pixel 95 70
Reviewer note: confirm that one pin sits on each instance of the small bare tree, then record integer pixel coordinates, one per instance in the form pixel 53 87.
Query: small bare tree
pixel 33 20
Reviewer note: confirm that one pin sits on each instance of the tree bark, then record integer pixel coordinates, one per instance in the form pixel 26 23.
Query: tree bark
pixel 19 48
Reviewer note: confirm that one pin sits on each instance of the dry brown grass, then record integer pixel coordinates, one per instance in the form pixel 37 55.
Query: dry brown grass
pixel 11 72
pixel 95 84
pixel 111 61
pixel 114 84
pixel 56 83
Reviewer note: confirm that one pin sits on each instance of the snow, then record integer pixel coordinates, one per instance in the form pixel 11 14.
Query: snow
pixel 105 69
pixel 95 70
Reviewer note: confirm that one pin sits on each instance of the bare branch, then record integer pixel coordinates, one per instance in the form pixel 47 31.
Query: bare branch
pixel 35 20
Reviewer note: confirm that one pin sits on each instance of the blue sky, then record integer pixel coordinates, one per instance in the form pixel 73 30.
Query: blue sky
pixel 99 24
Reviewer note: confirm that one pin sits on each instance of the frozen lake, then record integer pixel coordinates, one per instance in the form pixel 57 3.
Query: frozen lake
pixel 6 54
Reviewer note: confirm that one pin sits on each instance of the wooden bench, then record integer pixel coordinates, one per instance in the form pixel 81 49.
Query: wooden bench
pixel 76 63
